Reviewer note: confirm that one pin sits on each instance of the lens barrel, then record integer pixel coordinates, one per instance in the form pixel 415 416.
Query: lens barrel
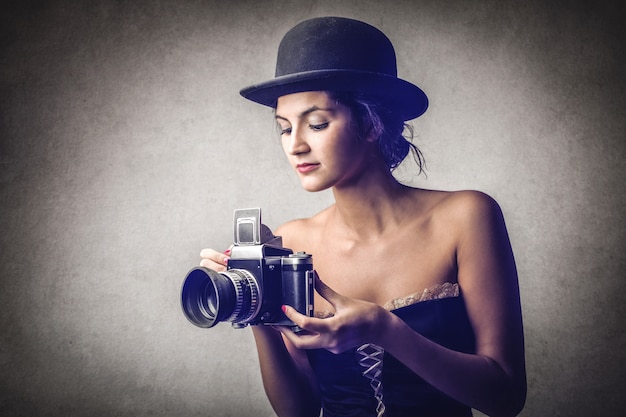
pixel 209 297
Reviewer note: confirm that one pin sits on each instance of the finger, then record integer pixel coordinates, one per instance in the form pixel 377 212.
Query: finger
pixel 301 340
pixel 334 298
pixel 207 263
pixel 310 324
pixel 211 255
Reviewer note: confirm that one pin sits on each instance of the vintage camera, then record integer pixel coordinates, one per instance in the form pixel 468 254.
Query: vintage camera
pixel 260 278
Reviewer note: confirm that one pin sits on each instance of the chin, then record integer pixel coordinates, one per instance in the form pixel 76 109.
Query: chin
pixel 314 186
pixel 315 189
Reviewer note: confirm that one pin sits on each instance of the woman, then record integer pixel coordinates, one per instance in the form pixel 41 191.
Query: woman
pixel 417 304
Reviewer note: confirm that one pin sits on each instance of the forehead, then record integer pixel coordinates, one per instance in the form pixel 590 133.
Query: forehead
pixel 297 104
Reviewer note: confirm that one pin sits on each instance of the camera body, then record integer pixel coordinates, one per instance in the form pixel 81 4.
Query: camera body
pixel 261 277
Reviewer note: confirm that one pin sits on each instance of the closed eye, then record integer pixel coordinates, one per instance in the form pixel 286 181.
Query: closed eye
pixel 284 131
pixel 318 127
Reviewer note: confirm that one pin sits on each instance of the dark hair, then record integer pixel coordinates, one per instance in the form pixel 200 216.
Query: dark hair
pixel 393 134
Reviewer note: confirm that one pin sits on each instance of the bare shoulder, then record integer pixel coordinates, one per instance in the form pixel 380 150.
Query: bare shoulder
pixel 296 232
pixel 465 206
pixel 291 230
pixel 459 214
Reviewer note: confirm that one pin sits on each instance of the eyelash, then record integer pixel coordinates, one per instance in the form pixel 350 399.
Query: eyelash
pixel 315 128
pixel 318 127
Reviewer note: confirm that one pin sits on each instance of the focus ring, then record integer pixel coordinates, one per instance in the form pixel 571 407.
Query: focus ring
pixel 255 297
pixel 245 285
pixel 235 277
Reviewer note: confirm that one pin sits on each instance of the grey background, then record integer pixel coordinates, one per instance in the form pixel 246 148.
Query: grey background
pixel 125 147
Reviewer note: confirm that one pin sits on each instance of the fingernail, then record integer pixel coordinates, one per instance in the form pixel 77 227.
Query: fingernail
pixel 225 261
pixel 227 252
pixel 284 308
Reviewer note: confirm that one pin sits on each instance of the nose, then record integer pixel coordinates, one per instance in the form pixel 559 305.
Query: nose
pixel 296 142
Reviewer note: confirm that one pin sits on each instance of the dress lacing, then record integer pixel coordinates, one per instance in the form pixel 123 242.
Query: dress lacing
pixel 370 356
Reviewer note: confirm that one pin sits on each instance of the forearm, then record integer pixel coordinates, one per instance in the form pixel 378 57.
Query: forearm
pixel 475 380
pixel 286 385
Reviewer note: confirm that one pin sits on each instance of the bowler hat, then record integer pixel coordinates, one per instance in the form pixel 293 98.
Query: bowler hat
pixel 339 54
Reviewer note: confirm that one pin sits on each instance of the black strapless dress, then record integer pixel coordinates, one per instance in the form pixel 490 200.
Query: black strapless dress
pixel 358 383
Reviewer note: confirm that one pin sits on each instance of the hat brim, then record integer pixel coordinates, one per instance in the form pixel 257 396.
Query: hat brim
pixel 405 98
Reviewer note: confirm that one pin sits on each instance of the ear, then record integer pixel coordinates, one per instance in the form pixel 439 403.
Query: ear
pixel 373 134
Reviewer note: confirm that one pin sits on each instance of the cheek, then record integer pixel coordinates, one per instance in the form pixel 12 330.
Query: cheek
pixel 345 145
pixel 349 151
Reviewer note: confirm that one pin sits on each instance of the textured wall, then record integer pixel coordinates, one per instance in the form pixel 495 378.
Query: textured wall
pixel 125 147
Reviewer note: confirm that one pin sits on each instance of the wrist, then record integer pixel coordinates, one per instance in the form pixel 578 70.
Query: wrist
pixel 386 328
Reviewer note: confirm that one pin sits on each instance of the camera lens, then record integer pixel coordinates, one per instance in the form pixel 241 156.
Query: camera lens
pixel 209 297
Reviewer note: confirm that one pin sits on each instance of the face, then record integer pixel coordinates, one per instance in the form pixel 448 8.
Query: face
pixel 319 140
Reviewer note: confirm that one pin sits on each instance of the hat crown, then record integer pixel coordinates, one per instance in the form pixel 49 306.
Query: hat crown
pixel 339 54
pixel 335 43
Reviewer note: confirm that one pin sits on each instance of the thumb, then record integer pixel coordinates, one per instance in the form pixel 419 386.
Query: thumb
pixel 326 292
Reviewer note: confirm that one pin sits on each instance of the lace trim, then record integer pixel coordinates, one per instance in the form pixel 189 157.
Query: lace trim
pixel 372 360
pixel 445 290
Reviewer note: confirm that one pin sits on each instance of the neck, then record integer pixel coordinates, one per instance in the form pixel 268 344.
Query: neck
pixel 371 205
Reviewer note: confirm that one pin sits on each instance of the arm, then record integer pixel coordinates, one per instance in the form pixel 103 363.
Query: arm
pixel 287 377
pixel 493 380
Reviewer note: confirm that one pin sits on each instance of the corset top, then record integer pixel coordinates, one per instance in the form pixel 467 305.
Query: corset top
pixel 366 381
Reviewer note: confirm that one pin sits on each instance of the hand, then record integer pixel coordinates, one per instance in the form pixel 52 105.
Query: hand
pixel 215 260
pixel 355 323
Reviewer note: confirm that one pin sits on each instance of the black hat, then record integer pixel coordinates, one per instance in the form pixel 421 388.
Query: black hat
pixel 339 54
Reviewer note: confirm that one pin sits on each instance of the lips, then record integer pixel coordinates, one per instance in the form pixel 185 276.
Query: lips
pixel 306 167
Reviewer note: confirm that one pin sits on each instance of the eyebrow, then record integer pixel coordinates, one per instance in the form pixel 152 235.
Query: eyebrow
pixel 305 112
